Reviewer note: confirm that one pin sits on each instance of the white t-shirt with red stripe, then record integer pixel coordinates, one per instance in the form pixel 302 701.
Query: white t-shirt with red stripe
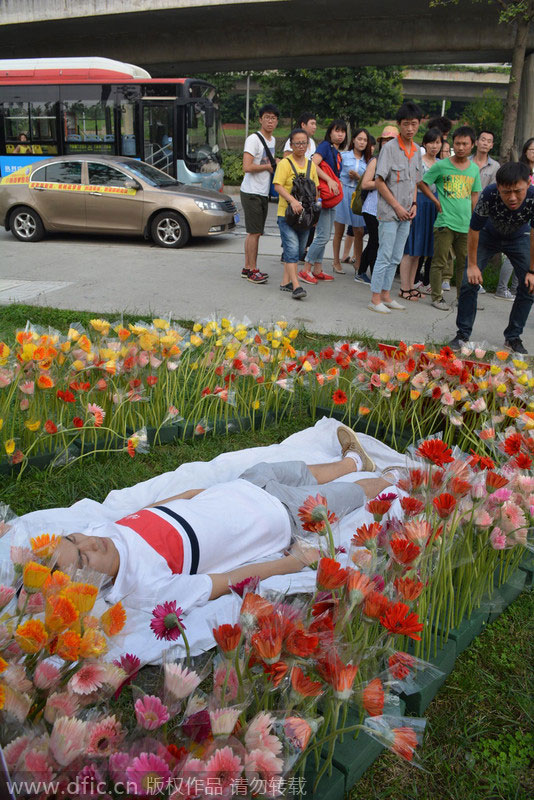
pixel 234 523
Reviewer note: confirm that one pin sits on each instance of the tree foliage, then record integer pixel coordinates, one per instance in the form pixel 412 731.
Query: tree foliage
pixel 362 95
pixel 486 113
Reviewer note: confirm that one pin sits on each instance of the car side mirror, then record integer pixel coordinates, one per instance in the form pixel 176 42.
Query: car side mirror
pixel 131 184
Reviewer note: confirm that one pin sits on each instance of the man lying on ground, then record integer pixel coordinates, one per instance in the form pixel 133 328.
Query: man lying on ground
pixel 190 547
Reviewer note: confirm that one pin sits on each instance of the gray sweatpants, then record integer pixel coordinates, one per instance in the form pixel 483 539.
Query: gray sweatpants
pixel 292 482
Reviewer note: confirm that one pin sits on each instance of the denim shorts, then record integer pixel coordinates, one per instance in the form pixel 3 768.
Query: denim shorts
pixel 293 242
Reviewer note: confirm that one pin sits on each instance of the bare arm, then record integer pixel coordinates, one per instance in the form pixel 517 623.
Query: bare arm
pixel 250 166
pixel 474 275
pixel 265 569
pixel 386 193
pixel 474 200
pixel 295 205
pixel 183 496
pixel 368 181
pixel 316 158
pixel 426 190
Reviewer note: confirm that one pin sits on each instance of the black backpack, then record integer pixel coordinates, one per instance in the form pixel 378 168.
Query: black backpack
pixel 305 191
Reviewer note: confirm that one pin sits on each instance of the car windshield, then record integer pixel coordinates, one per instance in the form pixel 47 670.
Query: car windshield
pixel 151 175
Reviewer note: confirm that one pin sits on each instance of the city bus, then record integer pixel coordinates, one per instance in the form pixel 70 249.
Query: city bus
pixel 57 106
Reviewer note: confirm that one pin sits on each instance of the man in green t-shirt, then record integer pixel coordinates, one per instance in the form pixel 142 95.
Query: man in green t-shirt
pixel 457 181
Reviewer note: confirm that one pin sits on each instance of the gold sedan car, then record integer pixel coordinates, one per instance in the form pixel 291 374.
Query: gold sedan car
pixel 109 194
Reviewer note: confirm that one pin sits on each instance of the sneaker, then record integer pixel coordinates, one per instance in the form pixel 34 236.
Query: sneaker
pixel 441 305
pixel 394 305
pixel 255 276
pixel 286 287
pixel 516 346
pixel 505 294
pixel 245 272
pixel 322 276
pixel 446 286
pixel 424 289
pixel 457 343
pixel 299 293
pixel 349 441
pixel 380 308
pixel 363 278
pixel 481 289
pixel 307 277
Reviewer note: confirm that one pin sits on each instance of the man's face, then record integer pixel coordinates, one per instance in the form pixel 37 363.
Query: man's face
pixel 513 195
pixel 408 128
pixel 268 121
pixel 310 127
pixel 484 143
pixel 96 552
pixel 462 146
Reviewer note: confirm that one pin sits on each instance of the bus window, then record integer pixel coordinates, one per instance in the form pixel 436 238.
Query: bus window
pixel 88 127
pixel 17 128
pixel 158 129
pixel 128 139
pixel 43 128
pixel 201 148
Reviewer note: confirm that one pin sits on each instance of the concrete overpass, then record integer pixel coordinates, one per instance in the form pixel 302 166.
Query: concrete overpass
pixel 169 37
pixel 453 84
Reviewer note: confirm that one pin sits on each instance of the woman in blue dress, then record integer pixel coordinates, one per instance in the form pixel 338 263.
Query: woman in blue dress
pixel 420 240
pixel 353 163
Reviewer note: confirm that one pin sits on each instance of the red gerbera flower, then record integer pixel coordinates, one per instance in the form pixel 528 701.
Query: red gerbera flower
pixel 416 478
pixel 398 619
pixel 512 444
pixel 482 462
pixel 330 575
pixel 444 504
pixel 301 643
pixel 378 508
pixel 375 605
pixel 523 461
pixel 408 588
pixel 436 451
pixel 404 742
pixel 227 637
pixel 400 664
pixel 267 642
pixel 275 672
pixel 411 506
pixel 152 380
pixel 365 533
pixel 314 514
pixel 494 481
pixel 339 675
pixel 373 698
pixel 403 551
pixel 459 487
pixel 304 686
pixel 339 397
pixel 77 422
pixel 50 427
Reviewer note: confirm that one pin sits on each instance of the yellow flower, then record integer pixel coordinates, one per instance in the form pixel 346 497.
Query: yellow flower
pixel 78 365
pixel 196 340
pixel 240 335
pixel 275 344
pixel 73 334
pixel 147 341
pixel 501 388
pixel 523 380
pixel 83 595
pixel 161 324
pixel 110 367
pixel 85 343
pixel 293 333
pixel 28 349
pixel 282 323
pixel 9 446
pixel 100 325
pixel 230 353
pixel 31 636
pixel 44 545
pixel 263 351
pixel 384 377
pixel 93 644
pixel 225 323
pixel 197 327
pixel 483 385
pixel 137 329
pixel 414 394
pixel 277 334
pixel 457 395
pixel 363 411
pixel 2 695
pixel 33 426
pixel 3 665
pixel 262 330
pixel 113 620
pixel 194 365
pixel 402 377
pixel 106 354
pixel 517 362
pixel 1 423
pixel 34 575
pixel 307 366
pixel 255 405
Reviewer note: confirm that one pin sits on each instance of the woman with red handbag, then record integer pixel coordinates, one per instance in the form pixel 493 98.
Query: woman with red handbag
pixel 327 159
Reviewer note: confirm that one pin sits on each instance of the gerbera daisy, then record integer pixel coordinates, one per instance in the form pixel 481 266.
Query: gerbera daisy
pixel 227 638
pixel 298 732
pixel 223 720
pixel 258 734
pixel 147 771
pixel 330 574
pixel 67 740
pixel 373 698
pixel 398 619
pixel 404 742
pixel 60 704
pixel 303 686
pixel 314 514
pixel 365 533
pixel 88 678
pixel 105 736
pixel 180 681
pixel 263 768
pixel 339 398
pixel 150 712
pixel 436 451
pixel 166 621
pixel 223 768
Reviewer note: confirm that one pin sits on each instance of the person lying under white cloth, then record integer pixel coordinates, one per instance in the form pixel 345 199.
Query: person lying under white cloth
pixel 191 546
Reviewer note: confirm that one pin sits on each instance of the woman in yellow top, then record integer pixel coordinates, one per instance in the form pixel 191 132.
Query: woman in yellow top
pixel 293 241
pixel 23 146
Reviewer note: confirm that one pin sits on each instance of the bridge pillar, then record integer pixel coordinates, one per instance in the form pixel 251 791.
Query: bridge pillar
pixel 525 118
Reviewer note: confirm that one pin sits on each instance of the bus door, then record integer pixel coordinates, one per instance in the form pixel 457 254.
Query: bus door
pixel 158 146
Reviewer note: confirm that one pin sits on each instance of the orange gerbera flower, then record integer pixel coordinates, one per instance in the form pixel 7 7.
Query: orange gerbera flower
pixel 404 742
pixel 3 665
pixel 83 595
pixel 365 533
pixel 314 514
pixel 227 637
pixel 403 551
pixel 339 676
pixel 304 686
pixel 275 672
pixel 339 398
pixel 458 486
pixel 254 609
pixel 358 586
pixel 412 506
pixel 113 619
pixel 330 574
pixel 301 643
pixel 66 646
pixel 408 588
pixel 436 451
pixel 2 696
pixel 93 644
pixel 373 698
pixel 378 508
pixel 45 382
pixel 55 583
pixel 43 546
pixel 400 665
pixel 363 411
pixel 375 605
pixel 31 636
pixel 34 575
pixel 398 619
pixel 267 642
pixel 60 613
pixel 494 481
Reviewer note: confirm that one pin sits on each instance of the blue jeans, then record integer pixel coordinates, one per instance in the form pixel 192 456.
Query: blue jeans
pixel 518 251
pixel 293 242
pixel 322 235
pixel 391 240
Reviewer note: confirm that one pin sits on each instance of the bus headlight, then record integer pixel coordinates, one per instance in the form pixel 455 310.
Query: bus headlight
pixel 208 205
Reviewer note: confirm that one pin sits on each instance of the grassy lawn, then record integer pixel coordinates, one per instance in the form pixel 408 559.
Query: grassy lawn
pixel 480 735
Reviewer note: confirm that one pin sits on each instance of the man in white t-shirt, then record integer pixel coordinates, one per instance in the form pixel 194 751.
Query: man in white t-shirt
pixel 190 547
pixel 308 123
pixel 259 163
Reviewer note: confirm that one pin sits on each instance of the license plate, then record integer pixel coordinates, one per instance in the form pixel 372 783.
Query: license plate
pixel 236 218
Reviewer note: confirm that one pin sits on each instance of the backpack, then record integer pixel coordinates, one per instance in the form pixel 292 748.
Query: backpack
pixel 305 191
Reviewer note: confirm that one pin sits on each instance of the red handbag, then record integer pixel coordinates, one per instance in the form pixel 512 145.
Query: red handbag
pixel 328 198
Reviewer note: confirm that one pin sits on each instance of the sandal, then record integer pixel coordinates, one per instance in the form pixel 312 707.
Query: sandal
pixel 409 294
pixel 348 260
pixel 338 271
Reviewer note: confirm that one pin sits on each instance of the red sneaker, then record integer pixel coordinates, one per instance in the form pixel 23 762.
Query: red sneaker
pixel 255 276
pixel 322 276
pixel 307 277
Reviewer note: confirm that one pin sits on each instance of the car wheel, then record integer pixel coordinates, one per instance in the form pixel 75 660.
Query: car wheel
pixel 170 229
pixel 26 224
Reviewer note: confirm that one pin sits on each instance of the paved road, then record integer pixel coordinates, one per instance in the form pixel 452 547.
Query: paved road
pixel 110 275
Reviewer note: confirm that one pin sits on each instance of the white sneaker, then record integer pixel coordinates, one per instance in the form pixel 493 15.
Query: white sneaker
pixel 380 308
pixel 441 305
pixel 445 286
pixel 505 294
pixel 394 305
pixel 481 289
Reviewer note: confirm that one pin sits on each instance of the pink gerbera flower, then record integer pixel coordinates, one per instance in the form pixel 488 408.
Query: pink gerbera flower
pixel 223 720
pixel 264 768
pixel 148 771
pixel 89 781
pixel 131 665
pixel 259 734
pixel 105 736
pixel 98 414
pixel 46 675
pixel 60 704
pixel 498 539
pixel 117 765
pixel 67 740
pixel 512 517
pixel 223 769
pixel 180 681
pixel 6 594
pixel 88 679
pixel 166 621
pixel 14 750
pixel 37 765
pixel 150 712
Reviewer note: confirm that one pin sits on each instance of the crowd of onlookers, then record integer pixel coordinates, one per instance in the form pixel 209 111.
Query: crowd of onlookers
pixel 435 212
